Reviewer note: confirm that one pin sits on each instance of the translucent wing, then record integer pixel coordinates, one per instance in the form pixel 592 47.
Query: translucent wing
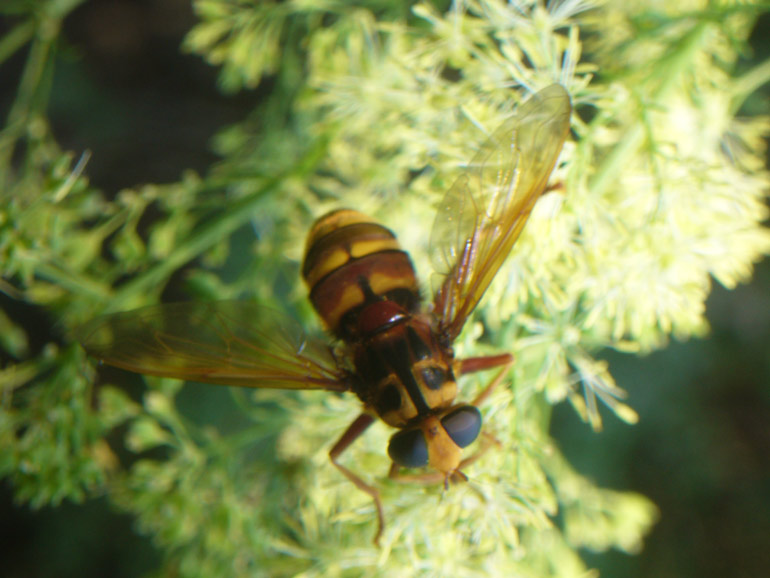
pixel 223 342
pixel 483 214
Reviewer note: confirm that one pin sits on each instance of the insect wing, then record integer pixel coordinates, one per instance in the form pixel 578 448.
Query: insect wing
pixel 483 214
pixel 223 342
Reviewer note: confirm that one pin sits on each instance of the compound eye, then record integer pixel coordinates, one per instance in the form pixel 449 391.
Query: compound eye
pixel 408 448
pixel 463 425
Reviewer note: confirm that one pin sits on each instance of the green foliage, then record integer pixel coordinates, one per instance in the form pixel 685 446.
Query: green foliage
pixel 377 106
pixel 53 442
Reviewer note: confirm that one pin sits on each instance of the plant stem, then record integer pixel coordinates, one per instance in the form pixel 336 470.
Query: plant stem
pixel 671 67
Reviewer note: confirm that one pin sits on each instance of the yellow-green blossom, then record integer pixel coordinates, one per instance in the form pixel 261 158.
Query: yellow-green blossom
pixel 378 106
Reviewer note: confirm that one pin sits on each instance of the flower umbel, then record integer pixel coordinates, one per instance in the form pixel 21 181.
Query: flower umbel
pixel 659 191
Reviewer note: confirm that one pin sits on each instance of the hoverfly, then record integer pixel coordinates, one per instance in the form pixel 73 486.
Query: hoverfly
pixel 393 352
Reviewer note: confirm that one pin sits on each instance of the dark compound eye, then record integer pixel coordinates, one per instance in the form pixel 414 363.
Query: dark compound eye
pixel 408 448
pixel 463 425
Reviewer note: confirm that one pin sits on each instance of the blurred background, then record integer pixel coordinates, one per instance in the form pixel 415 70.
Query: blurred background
pixel 701 450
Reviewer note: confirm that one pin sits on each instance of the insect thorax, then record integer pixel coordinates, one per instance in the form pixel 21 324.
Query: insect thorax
pixel 405 375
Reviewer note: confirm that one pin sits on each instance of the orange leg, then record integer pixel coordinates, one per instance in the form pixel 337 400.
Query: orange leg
pixel 364 420
pixel 473 364
pixel 506 360
pixel 358 427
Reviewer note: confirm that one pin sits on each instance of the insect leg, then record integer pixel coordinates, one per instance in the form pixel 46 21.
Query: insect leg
pixel 506 360
pixel 427 478
pixel 473 364
pixel 355 429
pixel 487 441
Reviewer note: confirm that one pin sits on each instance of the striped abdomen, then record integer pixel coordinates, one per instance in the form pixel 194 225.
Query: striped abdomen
pixel 351 262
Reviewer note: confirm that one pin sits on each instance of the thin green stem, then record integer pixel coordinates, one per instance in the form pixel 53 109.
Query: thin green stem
pixel 671 67
pixel 42 30
pixel 68 279
pixel 20 35
pixel 204 237
pixel 208 234
pixel 749 83
pixel 31 96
